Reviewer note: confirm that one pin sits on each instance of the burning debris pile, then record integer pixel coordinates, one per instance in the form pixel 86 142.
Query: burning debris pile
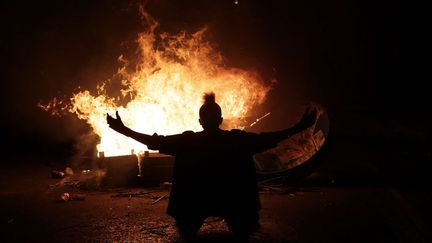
pixel 161 90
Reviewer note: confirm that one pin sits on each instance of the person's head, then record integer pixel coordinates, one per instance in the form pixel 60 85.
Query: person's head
pixel 210 113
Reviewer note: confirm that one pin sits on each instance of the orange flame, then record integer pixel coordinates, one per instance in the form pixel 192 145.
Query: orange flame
pixel 165 90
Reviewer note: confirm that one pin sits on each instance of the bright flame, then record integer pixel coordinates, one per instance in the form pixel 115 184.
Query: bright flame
pixel 166 89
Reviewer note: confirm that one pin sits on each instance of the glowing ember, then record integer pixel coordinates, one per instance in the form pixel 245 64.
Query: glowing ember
pixel 165 90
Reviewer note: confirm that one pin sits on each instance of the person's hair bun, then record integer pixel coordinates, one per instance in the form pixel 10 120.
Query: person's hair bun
pixel 209 98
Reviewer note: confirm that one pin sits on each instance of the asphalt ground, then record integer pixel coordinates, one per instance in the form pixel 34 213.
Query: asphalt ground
pixel 314 210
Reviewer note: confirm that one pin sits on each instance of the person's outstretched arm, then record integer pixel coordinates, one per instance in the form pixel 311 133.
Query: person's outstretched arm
pixel 117 125
pixel 306 121
pixel 258 143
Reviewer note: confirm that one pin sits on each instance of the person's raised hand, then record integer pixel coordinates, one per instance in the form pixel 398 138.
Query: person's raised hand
pixel 115 123
pixel 308 119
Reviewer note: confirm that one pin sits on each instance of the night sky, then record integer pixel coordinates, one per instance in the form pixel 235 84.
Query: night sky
pixel 347 55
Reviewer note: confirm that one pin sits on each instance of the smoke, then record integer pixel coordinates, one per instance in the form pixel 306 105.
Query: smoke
pixel 85 153
pixel 50 49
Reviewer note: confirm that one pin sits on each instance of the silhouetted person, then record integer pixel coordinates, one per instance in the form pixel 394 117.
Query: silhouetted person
pixel 214 171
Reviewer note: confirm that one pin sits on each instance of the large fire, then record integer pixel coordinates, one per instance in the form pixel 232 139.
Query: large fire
pixel 165 89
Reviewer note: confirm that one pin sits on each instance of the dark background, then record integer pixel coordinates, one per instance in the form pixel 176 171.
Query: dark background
pixel 347 55
pixel 360 59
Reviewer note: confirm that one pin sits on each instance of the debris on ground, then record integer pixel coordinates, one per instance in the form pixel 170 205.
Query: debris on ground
pixel 88 180
pixel 71 183
pixel 160 198
pixel 65 197
pixel 166 185
pixel 133 194
pixel 275 188
pixel 55 174
pixel 69 171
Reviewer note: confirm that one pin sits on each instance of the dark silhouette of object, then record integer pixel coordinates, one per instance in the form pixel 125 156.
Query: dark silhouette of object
pixel 214 171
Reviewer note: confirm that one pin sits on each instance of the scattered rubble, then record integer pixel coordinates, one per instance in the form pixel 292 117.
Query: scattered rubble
pixel 55 174
pixel 160 198
pixel 65 197
pixel 69 171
